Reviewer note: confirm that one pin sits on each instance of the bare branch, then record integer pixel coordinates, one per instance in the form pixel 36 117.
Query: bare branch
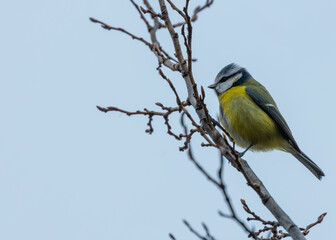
pixel 318 221
pixel 108 27
pixel 197 10
pixel 271 227
pixel 151 12
pixel 178 52
pixel 188 139
pixel 150 114
pixel 220 184
pixel 207 231
pixel 191 229
pixel 141 15
pixel 172 237
pixel 161 54
pixel 206 129
pixel 176 8
pixel 171 85
pixel 255 216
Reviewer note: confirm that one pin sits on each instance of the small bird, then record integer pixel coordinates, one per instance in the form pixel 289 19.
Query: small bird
pixel 251 117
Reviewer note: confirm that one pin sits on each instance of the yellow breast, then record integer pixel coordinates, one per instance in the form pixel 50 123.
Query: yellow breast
pixel 246 122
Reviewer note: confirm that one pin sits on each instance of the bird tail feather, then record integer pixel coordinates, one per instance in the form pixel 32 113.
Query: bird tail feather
pixel 308 163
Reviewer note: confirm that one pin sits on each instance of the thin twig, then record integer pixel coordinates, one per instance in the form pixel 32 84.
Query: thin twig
pixel 197 10
pixel 108 27
pixel 172 5
pixel 318 221
pixel 151 114
pixel 141 15
pixel 220 184
pixel 191 229
pixel 271 227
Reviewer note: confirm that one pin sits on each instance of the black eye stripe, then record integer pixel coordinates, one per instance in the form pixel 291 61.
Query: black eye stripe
pixel 223 79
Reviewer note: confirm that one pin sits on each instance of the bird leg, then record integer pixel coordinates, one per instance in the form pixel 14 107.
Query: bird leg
pixel 241 154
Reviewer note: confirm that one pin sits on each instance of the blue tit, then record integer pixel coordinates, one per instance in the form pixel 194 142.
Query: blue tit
pixel 251 117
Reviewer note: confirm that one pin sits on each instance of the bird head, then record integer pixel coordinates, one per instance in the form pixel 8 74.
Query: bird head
pixel 229 76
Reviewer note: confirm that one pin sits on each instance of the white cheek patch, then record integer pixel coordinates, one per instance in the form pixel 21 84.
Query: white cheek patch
pixel 224 86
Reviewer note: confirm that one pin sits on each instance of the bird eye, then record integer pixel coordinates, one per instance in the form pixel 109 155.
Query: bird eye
pixel 223 79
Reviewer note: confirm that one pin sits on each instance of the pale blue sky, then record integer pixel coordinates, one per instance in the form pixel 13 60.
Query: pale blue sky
pixel 70 172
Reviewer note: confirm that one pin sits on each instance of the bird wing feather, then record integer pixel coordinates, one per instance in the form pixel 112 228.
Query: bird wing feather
pixel 269 107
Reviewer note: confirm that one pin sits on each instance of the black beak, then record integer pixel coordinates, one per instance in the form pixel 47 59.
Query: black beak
pixel 212 86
